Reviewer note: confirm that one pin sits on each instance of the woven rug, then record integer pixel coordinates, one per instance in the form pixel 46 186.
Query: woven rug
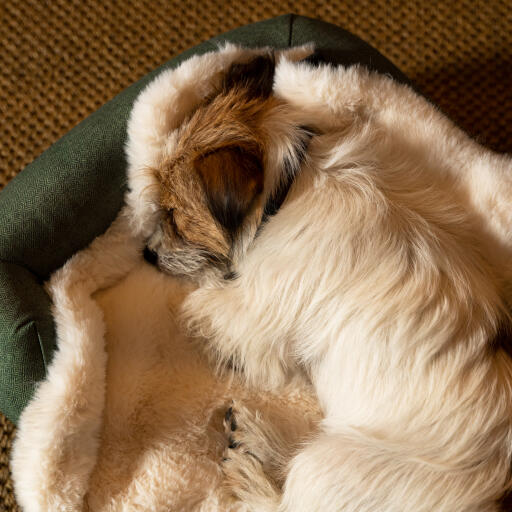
pixel 61 60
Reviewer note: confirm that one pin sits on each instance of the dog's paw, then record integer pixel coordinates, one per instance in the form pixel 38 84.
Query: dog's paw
pixel 244 432
pixel 245 479
pixel 252 458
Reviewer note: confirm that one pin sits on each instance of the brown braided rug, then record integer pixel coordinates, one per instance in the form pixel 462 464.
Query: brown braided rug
pixel 61 59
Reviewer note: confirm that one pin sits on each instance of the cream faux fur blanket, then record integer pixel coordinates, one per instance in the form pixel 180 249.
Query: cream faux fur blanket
pixel 130 415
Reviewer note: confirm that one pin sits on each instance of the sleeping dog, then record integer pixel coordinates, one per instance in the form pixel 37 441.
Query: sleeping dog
pixel 337 225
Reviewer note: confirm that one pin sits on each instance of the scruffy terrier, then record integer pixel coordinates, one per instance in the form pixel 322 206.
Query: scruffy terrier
pixel 336 224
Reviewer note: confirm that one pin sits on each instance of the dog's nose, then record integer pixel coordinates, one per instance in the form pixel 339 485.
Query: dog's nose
pixel 150 256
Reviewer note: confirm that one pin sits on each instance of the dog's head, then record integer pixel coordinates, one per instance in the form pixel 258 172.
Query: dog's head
pixel 231 168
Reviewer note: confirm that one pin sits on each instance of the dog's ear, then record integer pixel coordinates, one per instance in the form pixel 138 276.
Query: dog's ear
pixel 232 178
pixel 256 77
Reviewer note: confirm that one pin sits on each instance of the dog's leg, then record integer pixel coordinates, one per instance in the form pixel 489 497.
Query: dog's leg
pixel 323 476
pixel 336 473
pixel 260 471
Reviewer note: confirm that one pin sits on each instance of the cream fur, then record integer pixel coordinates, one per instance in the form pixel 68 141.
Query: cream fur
pixel 386 275
pixel 417 408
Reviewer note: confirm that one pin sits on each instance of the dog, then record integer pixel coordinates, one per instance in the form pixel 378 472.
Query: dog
pixel 335 224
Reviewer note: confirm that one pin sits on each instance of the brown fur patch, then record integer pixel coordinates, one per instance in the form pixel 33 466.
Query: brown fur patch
pixel 215 180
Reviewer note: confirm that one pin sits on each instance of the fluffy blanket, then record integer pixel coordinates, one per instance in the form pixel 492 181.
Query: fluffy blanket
pixel 130 415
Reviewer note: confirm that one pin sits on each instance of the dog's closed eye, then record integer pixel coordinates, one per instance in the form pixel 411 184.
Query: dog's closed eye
pixel 150 256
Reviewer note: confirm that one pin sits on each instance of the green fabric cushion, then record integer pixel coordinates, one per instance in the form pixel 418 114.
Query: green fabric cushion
pixel 26 336
pixel 73 191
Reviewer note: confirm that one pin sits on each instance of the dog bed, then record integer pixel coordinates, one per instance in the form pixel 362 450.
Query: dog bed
pixel 125 417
